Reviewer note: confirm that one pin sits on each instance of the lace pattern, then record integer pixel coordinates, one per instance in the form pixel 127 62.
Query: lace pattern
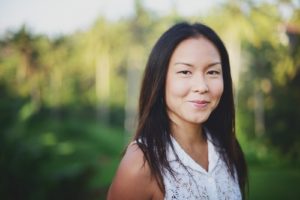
pixel 191 181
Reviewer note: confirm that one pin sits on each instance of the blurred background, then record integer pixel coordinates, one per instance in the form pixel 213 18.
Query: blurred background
pixel 70 75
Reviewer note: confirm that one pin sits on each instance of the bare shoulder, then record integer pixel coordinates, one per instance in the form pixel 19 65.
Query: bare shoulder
pixel 133 177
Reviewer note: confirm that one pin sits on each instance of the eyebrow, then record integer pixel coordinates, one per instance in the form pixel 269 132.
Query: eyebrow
pixel 190 65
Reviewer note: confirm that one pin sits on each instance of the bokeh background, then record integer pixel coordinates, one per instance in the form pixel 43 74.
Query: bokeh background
pixel 70 75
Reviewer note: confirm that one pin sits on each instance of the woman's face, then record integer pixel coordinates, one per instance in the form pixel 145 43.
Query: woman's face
pixel 194 83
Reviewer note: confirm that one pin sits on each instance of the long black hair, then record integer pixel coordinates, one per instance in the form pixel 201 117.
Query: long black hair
pixel 153 131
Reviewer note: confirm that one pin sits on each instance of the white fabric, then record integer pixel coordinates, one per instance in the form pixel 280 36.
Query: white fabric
pixel 193 182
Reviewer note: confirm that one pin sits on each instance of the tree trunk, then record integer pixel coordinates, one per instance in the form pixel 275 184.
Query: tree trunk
pixel 102 77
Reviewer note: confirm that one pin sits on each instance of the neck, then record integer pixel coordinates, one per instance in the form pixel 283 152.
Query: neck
pixel 188 134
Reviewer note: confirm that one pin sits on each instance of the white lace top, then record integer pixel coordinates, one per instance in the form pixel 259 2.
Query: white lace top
pixel 194 182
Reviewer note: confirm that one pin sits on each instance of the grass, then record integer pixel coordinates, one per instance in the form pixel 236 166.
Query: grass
pixel 274 183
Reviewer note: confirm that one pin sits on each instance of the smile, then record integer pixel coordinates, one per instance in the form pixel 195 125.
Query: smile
pixel 199 104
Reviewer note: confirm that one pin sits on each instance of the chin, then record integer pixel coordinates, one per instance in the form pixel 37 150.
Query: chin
pixel 198 120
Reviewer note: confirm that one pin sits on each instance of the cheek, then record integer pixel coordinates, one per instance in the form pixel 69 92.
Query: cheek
pixel 176 89
pixel 175 92
pixel 217 90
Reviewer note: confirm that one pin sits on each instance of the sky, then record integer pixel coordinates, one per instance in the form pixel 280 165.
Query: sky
pixel 54 17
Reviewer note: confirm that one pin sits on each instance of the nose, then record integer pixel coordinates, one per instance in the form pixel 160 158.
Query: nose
pixel 200 84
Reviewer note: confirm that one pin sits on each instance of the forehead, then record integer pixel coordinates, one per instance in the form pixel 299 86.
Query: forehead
pixel 194 49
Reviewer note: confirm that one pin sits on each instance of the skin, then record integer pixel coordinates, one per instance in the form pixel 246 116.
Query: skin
pixel 133 180
pixel 194 86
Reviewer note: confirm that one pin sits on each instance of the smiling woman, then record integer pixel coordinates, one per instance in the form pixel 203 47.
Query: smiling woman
pixel 185 145
pixel 194 82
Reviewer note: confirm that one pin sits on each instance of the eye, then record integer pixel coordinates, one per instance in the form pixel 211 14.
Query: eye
pixel 214 72
pixel 185 72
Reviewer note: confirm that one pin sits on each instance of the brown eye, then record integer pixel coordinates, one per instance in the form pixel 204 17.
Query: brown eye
pixel 185 72
pixel 213 72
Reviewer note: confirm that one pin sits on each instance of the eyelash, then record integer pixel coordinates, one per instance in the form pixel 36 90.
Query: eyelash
pixel 213 72
pixel 184 72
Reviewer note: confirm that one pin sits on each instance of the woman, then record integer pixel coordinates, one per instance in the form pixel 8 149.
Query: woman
pixel 185 145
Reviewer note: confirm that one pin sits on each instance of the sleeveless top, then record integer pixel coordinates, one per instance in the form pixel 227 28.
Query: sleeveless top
pixel 191 181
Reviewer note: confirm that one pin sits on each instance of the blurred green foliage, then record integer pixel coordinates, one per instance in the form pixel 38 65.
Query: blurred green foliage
pixel 50 157
pixel 65 101
pixel 274 183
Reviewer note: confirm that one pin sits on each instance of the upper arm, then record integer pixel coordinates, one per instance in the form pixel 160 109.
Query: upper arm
pixel 133 178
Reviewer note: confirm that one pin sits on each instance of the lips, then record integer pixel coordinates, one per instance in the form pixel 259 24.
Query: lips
pixel 199 103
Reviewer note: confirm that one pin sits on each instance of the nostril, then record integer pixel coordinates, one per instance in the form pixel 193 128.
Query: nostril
pixel 201 88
